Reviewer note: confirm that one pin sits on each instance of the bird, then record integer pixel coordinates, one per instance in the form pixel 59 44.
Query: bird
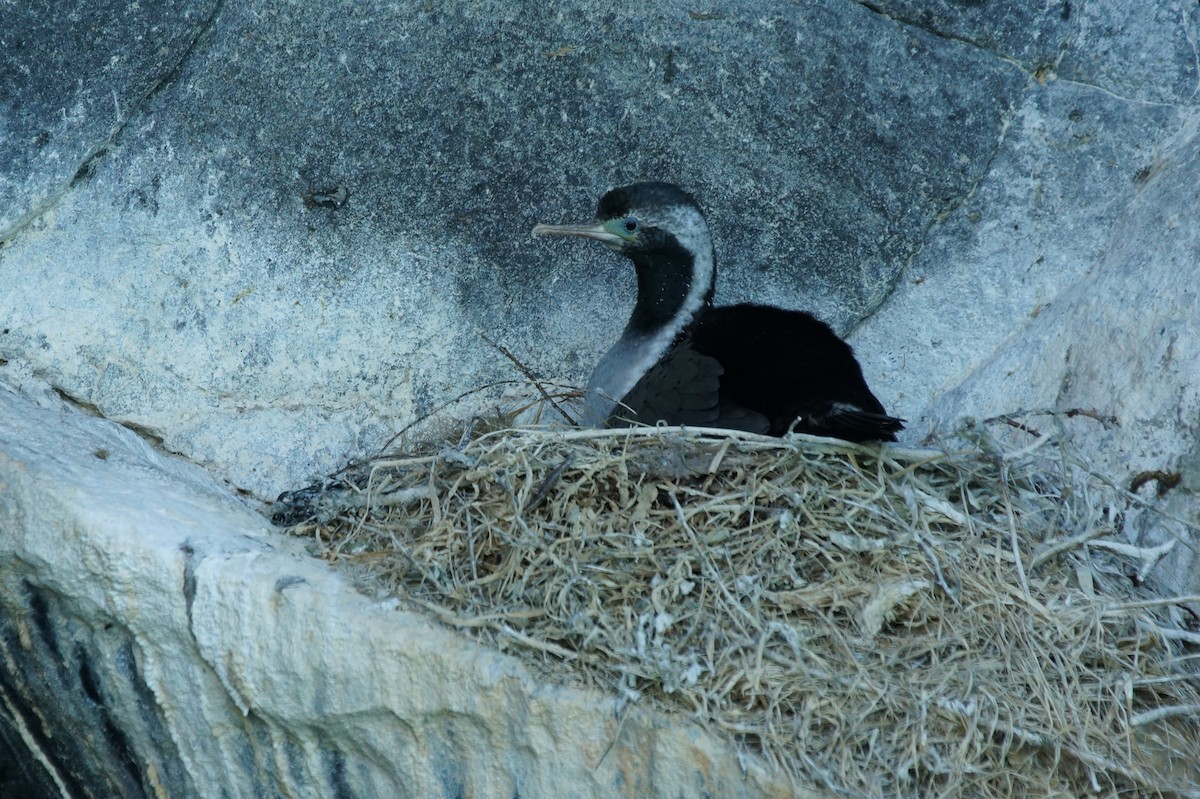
pixel 681 360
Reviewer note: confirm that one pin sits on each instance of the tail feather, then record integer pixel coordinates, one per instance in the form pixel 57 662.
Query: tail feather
pixel 851 423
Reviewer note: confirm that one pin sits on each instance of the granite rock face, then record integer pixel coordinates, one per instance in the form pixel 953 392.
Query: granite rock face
pixel 71 76
pixel 272 338
pixel 994 201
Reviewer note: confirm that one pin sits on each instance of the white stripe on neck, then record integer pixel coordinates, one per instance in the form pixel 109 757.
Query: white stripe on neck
pixel 637 351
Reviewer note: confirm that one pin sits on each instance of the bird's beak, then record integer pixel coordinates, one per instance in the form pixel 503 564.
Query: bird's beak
pixel 594 230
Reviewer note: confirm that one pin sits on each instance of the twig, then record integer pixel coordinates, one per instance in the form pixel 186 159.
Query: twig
pixel 436 411
pixel 1012 529
pixel 937 568
pixel 1065 545
pixel 1169 634
pixel 354 500
pixel 529 375
pixel 1160 713
pixel 547 484
pixel 533 643
pixel 1108 421
pixel 1149 556
pixel 447 616
pixel 1154 603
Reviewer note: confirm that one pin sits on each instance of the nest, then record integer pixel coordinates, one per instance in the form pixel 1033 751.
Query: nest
pixel 877 621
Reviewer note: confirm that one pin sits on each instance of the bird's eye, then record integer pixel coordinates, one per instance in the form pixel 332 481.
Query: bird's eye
pixel 631 224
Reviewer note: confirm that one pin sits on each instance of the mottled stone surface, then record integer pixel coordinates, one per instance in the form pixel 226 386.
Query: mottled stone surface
pixel 72 74
pixel 1034 35
pixel 1036 232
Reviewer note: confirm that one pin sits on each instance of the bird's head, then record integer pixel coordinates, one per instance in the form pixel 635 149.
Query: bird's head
pixel 659 227
pixel 644 220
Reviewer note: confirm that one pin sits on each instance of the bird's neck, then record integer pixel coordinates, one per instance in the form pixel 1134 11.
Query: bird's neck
pixel 673 286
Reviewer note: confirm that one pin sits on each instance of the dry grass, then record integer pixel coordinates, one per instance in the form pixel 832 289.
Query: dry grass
pixel 878 622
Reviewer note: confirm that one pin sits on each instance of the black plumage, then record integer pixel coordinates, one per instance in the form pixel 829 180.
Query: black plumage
pixel 681 360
